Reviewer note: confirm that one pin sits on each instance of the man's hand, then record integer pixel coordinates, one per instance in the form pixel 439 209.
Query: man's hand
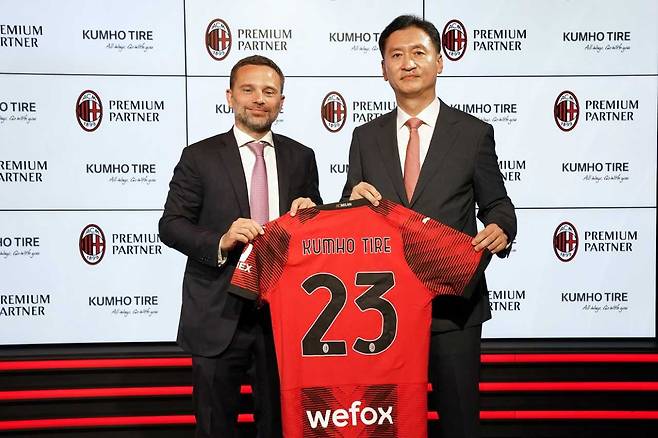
pixel 242 230
pixel 300 203
pixel 492 237
pixel 365 190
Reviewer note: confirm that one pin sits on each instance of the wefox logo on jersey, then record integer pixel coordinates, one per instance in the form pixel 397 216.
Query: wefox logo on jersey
pixel 351 416
pixel 242 263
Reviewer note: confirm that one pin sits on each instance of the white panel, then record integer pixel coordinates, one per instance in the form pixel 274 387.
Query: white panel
pixel 118 37
pixel 77 308
pixel 208 111
pixel 303 38
pixel 144 151
pixel 517 37
pixel 607 162
pixel 607 289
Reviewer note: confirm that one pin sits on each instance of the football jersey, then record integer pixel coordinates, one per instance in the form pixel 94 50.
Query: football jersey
pixel 349 287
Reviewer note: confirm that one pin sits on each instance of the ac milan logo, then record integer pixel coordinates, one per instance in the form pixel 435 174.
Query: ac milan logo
pixel 218 39
pixel 454 40
pixel 566 111
pixel 92 244
pixel 333 111
pixel 565 241
pixel 89 110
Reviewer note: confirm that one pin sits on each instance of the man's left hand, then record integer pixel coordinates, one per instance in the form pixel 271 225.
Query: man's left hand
pixel 300 203
pixel 492 237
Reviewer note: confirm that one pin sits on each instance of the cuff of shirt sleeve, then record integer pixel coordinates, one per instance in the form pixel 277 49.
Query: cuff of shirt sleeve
pixel 221 257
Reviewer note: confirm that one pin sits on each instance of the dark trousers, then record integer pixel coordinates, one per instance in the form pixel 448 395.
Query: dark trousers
pixel 454 368
pixel 217 381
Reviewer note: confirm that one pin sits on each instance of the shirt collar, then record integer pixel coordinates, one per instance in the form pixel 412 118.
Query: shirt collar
pixel 242 138
pixel 429 115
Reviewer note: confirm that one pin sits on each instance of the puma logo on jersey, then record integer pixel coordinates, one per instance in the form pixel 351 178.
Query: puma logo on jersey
pixel 425 220
pixel 350 416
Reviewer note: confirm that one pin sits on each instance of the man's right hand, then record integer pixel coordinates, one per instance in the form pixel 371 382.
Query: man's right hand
pixel 242 230
pixel 365 190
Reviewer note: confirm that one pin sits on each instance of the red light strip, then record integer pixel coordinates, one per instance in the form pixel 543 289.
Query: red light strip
pixel 245 418
pixel 45 394
pixel 63 423
pixel 555 357
pixel 569 415
pixel 567 386
pixel 158 391
pixel 561 415
pixel 30 365
pixel 187 361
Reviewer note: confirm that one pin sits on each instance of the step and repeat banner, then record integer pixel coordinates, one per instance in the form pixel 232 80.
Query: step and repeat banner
pixel 97 100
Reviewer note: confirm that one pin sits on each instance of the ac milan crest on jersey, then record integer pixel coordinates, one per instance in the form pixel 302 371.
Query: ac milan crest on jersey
pixel 218 39
pixel 333 111
pixel 92 244
pixel 565 241
pixel 566 111
pixel 89 110
pixel 454 40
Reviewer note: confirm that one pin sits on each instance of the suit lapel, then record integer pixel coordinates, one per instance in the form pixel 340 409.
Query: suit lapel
pixel 283 166
pixel 230 158
pixel 443 139
pixel 387 139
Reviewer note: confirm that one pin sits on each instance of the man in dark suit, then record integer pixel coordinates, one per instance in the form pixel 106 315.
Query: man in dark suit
pixel 440 162
pixel 222 191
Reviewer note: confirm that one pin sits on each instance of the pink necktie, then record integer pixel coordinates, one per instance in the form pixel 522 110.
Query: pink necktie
pixel 412 157
pixel 258 198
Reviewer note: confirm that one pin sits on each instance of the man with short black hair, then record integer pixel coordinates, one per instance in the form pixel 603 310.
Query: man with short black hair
pixel 223 190
pixel 440 162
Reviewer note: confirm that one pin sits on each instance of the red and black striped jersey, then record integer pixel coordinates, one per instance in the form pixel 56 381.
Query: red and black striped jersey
pixel 349 287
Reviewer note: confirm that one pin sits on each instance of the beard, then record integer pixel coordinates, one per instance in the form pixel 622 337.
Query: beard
pixel 261 125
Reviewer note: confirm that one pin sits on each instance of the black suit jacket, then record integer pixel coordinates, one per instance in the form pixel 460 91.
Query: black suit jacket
pixel 459 171
pixel 206 194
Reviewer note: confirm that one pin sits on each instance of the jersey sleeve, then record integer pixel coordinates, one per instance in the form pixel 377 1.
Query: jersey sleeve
pixel 442 258
pixel 261 264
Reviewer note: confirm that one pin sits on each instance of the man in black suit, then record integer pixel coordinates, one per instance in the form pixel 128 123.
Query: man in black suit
pixel 440 162
pixel 217 186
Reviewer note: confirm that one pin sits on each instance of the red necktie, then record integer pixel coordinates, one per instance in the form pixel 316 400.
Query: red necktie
pixel 258 197
pixel 412 157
